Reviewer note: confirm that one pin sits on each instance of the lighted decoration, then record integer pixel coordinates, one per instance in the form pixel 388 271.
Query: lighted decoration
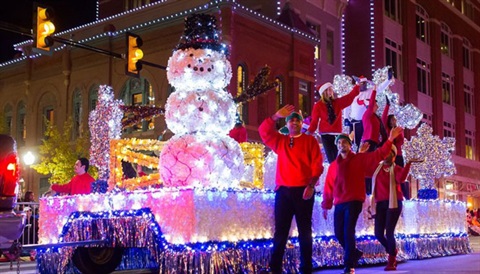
pixel 254 160
pixel 408 116
pixel 342 84
pixel 197 69
pixel 105 125
pixel 128 150
pixel 436 152
pixel 211 223
pixel 135 114
pixel 258 86
pixel 200 112
pixel 201 160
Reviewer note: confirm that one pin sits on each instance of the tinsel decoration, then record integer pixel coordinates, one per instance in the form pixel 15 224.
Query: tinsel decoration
pixel 201 33
pixel 342 84
pixel 99 186
pixel 135 114
pixel 105 124
pixel 258 86
pixel 436 152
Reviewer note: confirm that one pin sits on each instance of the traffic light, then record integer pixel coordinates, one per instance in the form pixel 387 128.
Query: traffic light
pixel 43 28
pixel 134 55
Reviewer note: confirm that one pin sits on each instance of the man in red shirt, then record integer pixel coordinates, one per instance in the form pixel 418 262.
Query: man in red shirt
pixel 81 183
pixel 345 188
pixel 299 166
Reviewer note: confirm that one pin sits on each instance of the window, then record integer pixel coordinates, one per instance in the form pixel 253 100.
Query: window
pixel 468 99
pixel 133 4
pixel 447 89
pixel 467 59
pixel 423 77
pixel 393 56
pixel 392 10
pixel 241 87
pixel 137 92
pixel 421 22
pixel 445 40
pixel 448 129
pixel 468 9
pixel 315 28
pixel 49 116
pixel 427 119
pixel 279 92
pixel 470 145
pixel 304 97
pixel 8 112
pixel 330 47
pixel 21 135
pixel 92 98
pixel 77 114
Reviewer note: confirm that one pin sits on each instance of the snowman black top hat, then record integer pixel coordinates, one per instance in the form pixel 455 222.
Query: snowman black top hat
pixel 201 33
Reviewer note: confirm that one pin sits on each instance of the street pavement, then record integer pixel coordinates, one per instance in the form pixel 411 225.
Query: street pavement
pixel 458 264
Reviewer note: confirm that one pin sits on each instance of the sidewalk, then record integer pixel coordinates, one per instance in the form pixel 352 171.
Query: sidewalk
pixel 459 264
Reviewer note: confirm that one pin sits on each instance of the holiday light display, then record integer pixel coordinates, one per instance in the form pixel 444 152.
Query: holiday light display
pixel 200 112
pixel 201 219
pixel 436 152
pixel 105 125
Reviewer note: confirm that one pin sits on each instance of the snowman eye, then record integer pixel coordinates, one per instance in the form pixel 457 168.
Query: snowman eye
pixel 191 54
pixel 189 65
pixel 195 68
pixel 201 69
pixel 209 69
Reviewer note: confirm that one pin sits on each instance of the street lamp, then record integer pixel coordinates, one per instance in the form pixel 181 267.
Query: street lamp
pixel 28 158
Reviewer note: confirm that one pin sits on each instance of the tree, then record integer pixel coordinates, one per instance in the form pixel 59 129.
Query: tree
pixel 58 153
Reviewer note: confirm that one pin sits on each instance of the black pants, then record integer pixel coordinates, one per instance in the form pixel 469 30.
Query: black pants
pixel 344 221
pixel 289 203
pixel 329 146
pixel 368 181
pixel 385 222
pixel 357 127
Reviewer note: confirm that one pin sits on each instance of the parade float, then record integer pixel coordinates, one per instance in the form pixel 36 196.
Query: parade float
pixel 209 207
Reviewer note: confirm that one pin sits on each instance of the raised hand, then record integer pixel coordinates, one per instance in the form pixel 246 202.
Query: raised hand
pixel 284 111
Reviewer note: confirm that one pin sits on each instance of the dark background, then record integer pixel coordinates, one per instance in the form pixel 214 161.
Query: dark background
pixel 67 14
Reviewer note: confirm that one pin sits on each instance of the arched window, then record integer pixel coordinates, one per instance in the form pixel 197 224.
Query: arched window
pixel 77 113
pixel 92 98
pixel 242 83
pixel 8 113
pixel 446 40
pixel 139 92
pixel 46 111
pixel 422 24
pixel 21 129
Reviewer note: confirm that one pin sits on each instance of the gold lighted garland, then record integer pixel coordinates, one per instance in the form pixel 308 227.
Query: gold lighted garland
pixel 126 150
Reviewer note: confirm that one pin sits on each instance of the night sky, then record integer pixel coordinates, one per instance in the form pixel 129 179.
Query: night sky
pixel 68 14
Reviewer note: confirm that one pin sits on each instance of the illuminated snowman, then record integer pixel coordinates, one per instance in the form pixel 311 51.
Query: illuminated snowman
pixel 200 112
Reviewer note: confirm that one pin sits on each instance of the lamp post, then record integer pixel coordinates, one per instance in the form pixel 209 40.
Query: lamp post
pixel 28 159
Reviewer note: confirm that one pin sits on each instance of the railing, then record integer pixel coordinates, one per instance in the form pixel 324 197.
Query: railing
pixel 30 233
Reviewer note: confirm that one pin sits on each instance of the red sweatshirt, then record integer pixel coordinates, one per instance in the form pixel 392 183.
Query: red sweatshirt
pixel 382 182
pixel 296 165
pixel 80 184
pixel 320 113
pixel 398 142
pixel 371 123
pixel 345 181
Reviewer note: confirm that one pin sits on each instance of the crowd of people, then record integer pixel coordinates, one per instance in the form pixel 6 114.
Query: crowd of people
pixel 376 169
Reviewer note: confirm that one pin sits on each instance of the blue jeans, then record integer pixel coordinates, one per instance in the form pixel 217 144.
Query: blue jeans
pixel 289 202
pixel 344 221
